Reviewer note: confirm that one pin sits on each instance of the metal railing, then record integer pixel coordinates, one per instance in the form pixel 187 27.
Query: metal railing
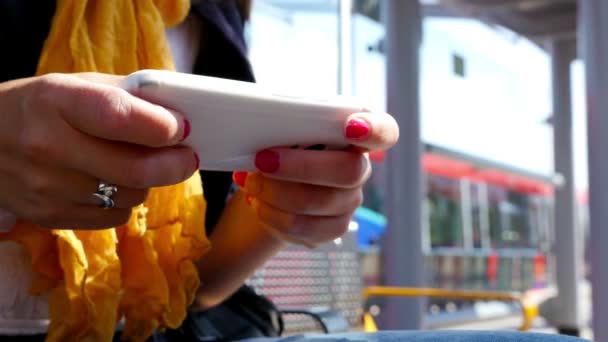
pixel 529 309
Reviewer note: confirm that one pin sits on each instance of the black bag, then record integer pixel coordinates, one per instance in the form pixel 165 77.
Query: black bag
pixel 244 315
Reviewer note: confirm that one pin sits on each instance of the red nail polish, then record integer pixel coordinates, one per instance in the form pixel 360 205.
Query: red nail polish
pixel 357 129
pixel 249 199
pixel 186 129
pixel 267 161
pixel 239 178
pixel 198 161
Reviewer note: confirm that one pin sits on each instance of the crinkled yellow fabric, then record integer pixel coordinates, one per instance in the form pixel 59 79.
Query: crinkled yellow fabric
pixel 143 271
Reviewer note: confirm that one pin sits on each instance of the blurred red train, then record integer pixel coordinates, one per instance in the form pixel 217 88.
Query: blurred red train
pixel 487 226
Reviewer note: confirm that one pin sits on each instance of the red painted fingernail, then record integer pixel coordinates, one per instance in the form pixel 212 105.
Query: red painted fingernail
pixel 249 199
pixel 357 129
pixel 239 178
pixel 267 161
pixel 186 129
pixel 198 161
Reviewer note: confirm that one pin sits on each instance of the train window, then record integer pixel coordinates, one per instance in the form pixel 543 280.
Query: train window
pixel 512 219
pixel 444 205
pixel 458 65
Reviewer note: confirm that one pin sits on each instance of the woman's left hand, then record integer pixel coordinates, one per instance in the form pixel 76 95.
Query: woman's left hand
pixel 7 220
pixel 309 197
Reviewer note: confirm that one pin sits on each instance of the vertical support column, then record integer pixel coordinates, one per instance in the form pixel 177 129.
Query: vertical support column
pixel 593 33
pixel 568 235
pixel 402 251
pixel 345 47
pixel 467 214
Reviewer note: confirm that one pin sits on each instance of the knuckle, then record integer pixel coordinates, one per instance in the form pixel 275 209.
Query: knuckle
pixel 337 229
pixel 164 132
pixel 329 199
pixel 393 138
pixel 342 226
pixel 36 145
pixel 37 183
pixel 47 92
pixel 134 174
pixel 304 200
pixel 279 220
pixel 369 169
pixel 49 83
pixel 307 170
pixel 353 175
pixel 357 200
pixel 296 225
pixel 187 172
pixel 113 102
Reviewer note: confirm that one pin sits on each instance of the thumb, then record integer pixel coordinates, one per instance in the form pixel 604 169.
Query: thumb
pixel 109 112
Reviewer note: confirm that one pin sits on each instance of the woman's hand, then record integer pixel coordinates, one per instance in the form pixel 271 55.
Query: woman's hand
pixel 62 134
pixel 309 197
pixel 7 220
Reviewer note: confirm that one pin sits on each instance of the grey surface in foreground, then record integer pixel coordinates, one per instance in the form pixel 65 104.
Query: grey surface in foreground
pixel 429 336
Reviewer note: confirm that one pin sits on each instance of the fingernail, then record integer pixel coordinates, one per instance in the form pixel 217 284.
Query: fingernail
pixel 186 130
pixel 239 178
pixel 198 161
pixel 357 129
pixel 249 199
pixel 267 161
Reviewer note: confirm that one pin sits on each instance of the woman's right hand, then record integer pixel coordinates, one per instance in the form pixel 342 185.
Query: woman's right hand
pixel 60 134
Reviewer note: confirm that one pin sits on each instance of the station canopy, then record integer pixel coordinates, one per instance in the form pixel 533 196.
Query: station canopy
pixel 537 20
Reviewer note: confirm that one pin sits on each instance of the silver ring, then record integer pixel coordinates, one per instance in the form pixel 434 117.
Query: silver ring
pixel 106 201
pixel 106 189
pixel 104 193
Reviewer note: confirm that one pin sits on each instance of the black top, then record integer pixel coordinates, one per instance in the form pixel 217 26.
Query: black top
pixel 25 24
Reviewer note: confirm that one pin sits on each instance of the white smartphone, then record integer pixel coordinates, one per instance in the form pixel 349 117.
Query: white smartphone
pixel 232 120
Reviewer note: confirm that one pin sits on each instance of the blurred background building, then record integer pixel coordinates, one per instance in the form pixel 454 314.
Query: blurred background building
pixel 489 173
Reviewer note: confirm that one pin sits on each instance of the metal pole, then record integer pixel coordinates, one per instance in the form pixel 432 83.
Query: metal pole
pixel 594 35
pixel 402 251
pixel 568 239
pixel 345 50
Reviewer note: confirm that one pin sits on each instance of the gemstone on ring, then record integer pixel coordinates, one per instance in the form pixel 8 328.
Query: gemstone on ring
pixel 106 201
pixel 107 189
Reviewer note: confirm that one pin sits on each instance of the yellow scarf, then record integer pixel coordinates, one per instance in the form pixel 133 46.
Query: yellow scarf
pixel 144 271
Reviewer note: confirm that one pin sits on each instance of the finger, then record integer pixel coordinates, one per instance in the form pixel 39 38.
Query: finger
pixel 81 189
pixel 303 199
pixel 301 229
pixel 124 198
pixel 125 165
pixel 112 113
pixel 135 166
pixel 342 169
pixel 84 217
pixel 7 220
pixel 114 162
pixel 70 186
pixel 371 131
